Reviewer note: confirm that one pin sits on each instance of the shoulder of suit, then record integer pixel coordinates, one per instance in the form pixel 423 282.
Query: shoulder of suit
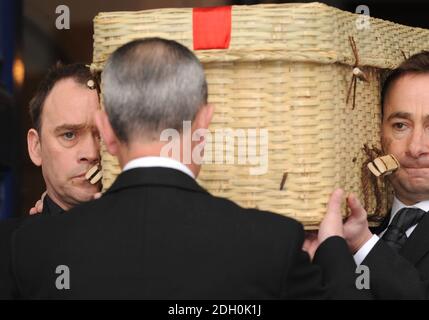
pixel 261 217
pixel 277 218
pixel 49 223
pixel 28 221
pixel 9 224
pixel 7 228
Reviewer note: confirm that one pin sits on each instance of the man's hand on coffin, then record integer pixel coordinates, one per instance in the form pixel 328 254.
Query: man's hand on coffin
pixel 331 225
pixel 356 229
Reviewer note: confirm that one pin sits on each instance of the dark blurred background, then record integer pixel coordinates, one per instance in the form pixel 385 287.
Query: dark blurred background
pixel 30 43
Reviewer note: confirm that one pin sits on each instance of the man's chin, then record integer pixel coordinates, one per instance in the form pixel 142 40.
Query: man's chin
pixel 86 193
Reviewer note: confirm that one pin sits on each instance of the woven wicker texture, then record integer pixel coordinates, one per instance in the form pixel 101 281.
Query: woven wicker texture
pixel 288 70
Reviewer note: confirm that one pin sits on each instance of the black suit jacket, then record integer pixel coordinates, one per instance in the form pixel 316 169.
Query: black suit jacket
pixel 8 288
pixel 403 274
pixel 156 234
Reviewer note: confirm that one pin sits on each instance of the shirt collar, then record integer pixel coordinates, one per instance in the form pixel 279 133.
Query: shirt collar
pixel 398 205
pixel 163 162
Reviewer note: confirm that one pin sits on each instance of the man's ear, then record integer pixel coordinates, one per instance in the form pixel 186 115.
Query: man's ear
pixel 203 117
pixel 106 132
pixel 34 148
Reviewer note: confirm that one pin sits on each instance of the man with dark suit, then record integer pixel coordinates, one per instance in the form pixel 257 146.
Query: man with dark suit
pixel 397 252
pixel 156 234
pixel 64 142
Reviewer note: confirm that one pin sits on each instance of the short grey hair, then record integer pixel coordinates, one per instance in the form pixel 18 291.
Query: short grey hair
pixel 152 84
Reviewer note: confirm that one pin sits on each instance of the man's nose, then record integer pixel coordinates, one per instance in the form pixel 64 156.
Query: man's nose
pixel 90 149
pixel 418 143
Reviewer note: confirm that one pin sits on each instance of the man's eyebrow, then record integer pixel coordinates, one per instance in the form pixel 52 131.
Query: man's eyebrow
pixel 399 114
pixel 69 127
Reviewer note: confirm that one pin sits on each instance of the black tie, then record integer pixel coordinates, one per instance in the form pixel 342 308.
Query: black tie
pixel 395 235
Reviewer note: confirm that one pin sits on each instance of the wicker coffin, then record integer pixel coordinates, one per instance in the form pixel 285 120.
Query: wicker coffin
pixel 288 69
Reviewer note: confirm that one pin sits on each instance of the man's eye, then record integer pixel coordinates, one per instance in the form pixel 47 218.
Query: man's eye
pixel 69 136
pixel 399 126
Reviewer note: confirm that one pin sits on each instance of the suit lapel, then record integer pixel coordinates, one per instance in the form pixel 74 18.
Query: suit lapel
pixel 418 243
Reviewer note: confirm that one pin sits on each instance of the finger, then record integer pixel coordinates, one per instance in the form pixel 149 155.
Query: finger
pixel 334 205
pixel 33 211
pixel 306 245
pixel 310 246
pixel 356 208
pixel 39 206
pixel 98 195
pixel 332 223
pixel 43 196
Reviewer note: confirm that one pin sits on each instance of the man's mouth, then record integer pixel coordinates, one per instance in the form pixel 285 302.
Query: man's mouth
pixel 415 170
pixel 82 175
pixel 415 167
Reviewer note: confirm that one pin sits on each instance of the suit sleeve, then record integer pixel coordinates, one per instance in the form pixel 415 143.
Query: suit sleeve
pixel 394 277
pixel 339 270
pixel 302 280
pixel 332 276
pixel 8 289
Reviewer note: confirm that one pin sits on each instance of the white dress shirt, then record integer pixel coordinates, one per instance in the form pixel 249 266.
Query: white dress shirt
pixel 147 162
pixel 396 206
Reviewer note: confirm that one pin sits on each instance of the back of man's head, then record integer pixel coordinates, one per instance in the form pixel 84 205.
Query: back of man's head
pixel 150 85
pixel 416 64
